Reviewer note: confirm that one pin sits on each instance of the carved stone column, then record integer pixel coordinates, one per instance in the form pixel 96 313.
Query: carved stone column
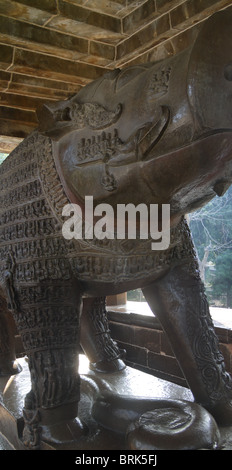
pixel 49 327
pixel 179 301
pixel 96 341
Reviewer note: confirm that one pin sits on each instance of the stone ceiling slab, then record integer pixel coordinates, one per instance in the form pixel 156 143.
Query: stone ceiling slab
pixel 50 49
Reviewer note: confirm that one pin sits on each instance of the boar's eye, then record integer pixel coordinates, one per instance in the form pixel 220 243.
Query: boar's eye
pixel 228 72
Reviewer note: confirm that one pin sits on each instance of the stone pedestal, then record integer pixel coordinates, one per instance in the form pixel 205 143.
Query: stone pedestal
pixel 129 382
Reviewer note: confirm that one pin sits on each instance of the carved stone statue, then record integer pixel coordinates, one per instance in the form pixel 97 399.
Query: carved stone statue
pixel 157 133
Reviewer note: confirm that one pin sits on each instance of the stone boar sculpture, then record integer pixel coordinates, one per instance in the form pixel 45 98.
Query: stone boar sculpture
pixel 156 133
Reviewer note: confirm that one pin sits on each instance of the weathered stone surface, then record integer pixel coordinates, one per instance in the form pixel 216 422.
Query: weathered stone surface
pixel 29 14
pixel 41 35
pixel 47 5
pixel 182 426
pixel 157 424
pixel 89 16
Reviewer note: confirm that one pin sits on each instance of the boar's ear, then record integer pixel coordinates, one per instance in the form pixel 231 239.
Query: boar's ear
pixel 129 74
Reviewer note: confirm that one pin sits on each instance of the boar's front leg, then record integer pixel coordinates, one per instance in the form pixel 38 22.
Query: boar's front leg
pixel 180 303
pixel 48 322
pixel 102 352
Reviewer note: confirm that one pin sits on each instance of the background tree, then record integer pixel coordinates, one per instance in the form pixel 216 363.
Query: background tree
pixel 211 228
pixel 222 283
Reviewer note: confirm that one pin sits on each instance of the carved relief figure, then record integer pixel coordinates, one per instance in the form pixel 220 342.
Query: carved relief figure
pixel 154 133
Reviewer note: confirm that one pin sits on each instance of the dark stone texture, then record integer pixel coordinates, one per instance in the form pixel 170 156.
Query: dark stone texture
pixel 157 424
pixel 177 426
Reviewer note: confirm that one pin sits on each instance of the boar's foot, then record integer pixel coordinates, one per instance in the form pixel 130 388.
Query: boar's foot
pixel 55 426
pixel 102 352
pixel 65 433
pixel 180 303
pixel 51 407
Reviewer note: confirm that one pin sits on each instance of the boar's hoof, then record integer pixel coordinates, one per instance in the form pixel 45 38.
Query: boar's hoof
pixel 64 433
pixel 10 368
pixel 108 367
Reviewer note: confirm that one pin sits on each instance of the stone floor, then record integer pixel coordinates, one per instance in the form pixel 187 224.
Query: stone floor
pixel 129 382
